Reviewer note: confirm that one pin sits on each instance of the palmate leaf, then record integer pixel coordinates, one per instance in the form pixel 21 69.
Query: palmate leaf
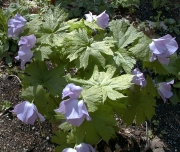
pixel 38 74
pixel 141 48
pixel 101 125
pixel 156 66
pixel 43 101
pixel 86 49
pixel 102 85
pixel 42 52
pixel 53 28
pixel 173 66
pixel 60 138
pixel 140 103
pixel 124 59
pixel 124 35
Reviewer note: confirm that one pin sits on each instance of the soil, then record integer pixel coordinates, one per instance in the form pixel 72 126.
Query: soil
pixel 163 129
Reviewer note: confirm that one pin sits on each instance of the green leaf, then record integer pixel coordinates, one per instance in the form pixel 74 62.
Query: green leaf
pixel 91 131
pixel 53 28
pixel 156 66
pixel 42 53
pixel 60 138
pixel 125 37
pixel 104 85
pixel 140 103
pixel 124 59
pixel 175 99
pixel 86 49
pixel 43 101
pixel 38 74
pixel 141 49
pixel 172 67
pixel 124 34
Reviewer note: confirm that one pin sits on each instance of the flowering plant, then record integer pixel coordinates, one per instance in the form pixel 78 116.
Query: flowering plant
pixel 91 69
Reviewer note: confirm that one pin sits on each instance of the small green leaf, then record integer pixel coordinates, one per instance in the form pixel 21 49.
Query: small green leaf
pixel 42 53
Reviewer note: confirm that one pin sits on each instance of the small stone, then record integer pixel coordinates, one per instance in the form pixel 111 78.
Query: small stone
pixel 117 146
pixel 137 132
pixel 47 138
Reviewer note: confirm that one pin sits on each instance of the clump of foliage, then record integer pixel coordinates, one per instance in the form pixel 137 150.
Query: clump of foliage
pixel 102 60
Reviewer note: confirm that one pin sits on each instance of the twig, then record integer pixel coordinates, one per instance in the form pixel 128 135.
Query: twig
pixel 16 77
pixel 147 141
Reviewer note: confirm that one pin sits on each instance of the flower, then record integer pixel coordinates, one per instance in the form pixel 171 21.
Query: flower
pixel 162 48
pixel 72 91
pixel 83 147
pixel 101 20
pixel 16 25
pixel 138 78
pixel 164 89
pixel 27 112
pixel 75 110
pixel 24 53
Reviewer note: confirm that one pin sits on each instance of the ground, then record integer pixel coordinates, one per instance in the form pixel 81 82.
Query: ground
pixel 163 130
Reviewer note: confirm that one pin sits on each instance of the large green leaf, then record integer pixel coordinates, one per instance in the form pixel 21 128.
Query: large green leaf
pixel 43 101
pixel 124 59
pixel 101 125
pixel 86 49
pixel 125 37
pixel 38 74
pixel 42 53
pixel 140 103
pixel 141 49
pixel 102 85
pixel 53 28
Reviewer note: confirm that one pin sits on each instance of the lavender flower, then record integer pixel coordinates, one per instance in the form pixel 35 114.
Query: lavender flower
pixel 101 20
pixel 72 91
pixel 16 25
pixel 164 89
pixel 163 48
pixel 24 53
pixel 74 109
pixel 80 148
pixel 27 112
pixel 138 78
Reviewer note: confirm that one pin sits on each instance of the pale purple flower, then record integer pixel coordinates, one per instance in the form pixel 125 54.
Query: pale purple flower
pixel 27 112
pixel 24 53
pixel 164 90
pixel 101 20
pixel 16 25
pixel 74 110
pixel 83 147
pixel 72 91
pixel 138 78
pixel 163 48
